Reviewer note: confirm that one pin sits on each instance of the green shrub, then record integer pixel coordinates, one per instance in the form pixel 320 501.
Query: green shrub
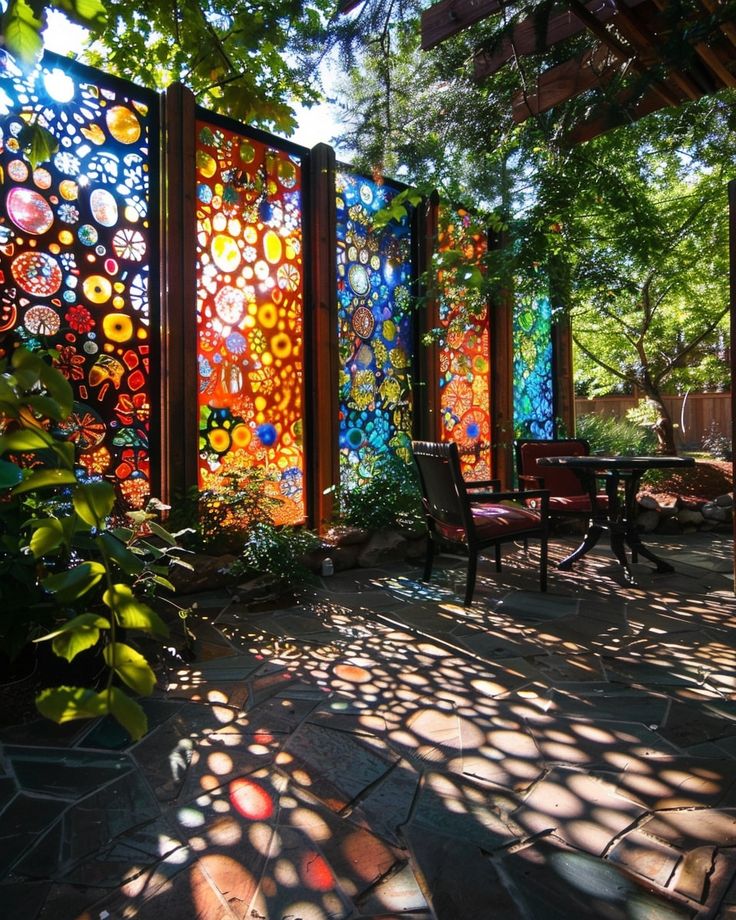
pixel 391 498
pixel 715 443
pixel 217 522
pixel 609 435
pixel 276 551
pixel 66 566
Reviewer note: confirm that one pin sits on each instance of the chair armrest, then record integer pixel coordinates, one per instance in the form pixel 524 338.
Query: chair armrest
pixel 536 482
pixel 522 496
pixel 493 484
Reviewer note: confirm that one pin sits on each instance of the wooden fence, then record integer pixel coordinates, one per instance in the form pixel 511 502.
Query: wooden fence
pixel 700 412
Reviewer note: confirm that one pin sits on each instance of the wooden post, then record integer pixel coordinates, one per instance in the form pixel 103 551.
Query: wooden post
pixel 179 398
pixel 321 448
pixel 562 370
pixel 427 390
pixel 502 379
pixel 732 277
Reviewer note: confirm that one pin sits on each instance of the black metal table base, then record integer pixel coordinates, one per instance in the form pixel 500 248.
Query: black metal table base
pixel 620 522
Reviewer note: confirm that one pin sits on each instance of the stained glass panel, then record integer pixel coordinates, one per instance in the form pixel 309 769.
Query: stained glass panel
pixel 250 318
pixel 533 383
pixel 375 329
pixel 464 348
pixel 75 253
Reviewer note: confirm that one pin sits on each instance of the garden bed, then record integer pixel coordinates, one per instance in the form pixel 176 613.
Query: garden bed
pixel 704 482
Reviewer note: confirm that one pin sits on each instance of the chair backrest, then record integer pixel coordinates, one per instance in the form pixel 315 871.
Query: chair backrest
pixel 441 480
pixel 559 481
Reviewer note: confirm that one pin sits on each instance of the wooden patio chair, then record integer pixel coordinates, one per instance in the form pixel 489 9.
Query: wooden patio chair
pixel 567 497
pixel 474 515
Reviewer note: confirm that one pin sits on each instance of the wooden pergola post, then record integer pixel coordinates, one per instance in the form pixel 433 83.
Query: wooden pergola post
pixel 427 388
pixel 179 416
pixel 562 368
pixel 321 449
pixel 732 350
pixel 502 379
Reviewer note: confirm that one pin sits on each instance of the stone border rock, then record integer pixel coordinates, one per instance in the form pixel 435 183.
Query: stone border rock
pixel 352 547
pixel 678 516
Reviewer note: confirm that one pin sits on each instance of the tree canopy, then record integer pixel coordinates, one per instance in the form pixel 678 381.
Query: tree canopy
pixel 630 227
pixel 250 60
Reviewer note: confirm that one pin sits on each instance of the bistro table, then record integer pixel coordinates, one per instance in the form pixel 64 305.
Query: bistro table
pixel 619 518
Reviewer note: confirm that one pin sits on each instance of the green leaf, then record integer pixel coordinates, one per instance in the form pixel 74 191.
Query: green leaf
pixel 37 143
pixel 128 713
pixel 132 613
pixel 84 619
pixel 48 535
pixel 65 451
pixel 127 561
pixel 26 439
pixel 93 502
pixel 163 533
pixel 78 634
pixel 44 478
pixel 164 582
pixel 62 704
pixel 131 667
pixel 10 475
pixel 71 585
pixel 23 359
pixel 22 32
pixel 46 406
pixel 58 388
pixel 89 13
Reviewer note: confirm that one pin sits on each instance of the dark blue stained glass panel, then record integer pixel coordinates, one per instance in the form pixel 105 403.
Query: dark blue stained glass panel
pixel 375 330
pixel 533 383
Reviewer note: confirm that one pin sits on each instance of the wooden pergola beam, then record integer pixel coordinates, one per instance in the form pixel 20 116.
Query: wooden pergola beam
pixel 615 114
pixel 448 17
pixel 567 80
pixel 648 52
pixel 667 95
pixel 525 38
pixel 728 28
pixel 714 62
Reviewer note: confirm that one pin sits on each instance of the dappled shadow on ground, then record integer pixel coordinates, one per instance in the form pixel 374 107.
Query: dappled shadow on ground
pixel 381 750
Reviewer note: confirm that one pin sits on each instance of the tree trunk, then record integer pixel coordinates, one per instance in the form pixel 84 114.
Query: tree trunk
pixel 664 429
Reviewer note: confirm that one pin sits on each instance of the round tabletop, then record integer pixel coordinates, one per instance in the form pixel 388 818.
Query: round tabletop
pixel 592 462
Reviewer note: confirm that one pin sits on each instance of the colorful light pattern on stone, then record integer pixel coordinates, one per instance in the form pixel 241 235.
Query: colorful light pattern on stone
pixel 250 318
pixel 533 383
pixel 75 251
pixel 375 330
pixel 464 352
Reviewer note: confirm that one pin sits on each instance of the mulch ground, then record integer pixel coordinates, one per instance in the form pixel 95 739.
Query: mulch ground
pixel 704 482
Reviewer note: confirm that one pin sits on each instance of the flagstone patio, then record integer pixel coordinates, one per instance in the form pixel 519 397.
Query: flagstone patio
pixel 377 751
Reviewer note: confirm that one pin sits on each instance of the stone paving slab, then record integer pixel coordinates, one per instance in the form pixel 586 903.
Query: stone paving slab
pixel 377 750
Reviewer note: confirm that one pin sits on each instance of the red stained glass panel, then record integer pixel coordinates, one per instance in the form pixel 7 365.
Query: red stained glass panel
pixel 250 318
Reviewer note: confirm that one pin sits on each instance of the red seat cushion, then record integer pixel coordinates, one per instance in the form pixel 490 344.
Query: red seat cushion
pixel 491 522
pixel 558 480
pixel 575 504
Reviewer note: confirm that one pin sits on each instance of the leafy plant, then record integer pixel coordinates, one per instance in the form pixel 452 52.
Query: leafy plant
pixel 608 435
pixel 276 551
pixel 216 522
pixel 86 573
pixel 391 498
pixel 716 443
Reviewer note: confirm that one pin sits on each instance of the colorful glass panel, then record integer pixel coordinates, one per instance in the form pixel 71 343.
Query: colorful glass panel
pixel 250 318
pixel 375 329
pixel 75 252
pixel 533 384
pixel 464 347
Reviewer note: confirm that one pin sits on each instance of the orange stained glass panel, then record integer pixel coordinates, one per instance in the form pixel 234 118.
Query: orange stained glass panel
pixel 464 347
pixel 250 318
